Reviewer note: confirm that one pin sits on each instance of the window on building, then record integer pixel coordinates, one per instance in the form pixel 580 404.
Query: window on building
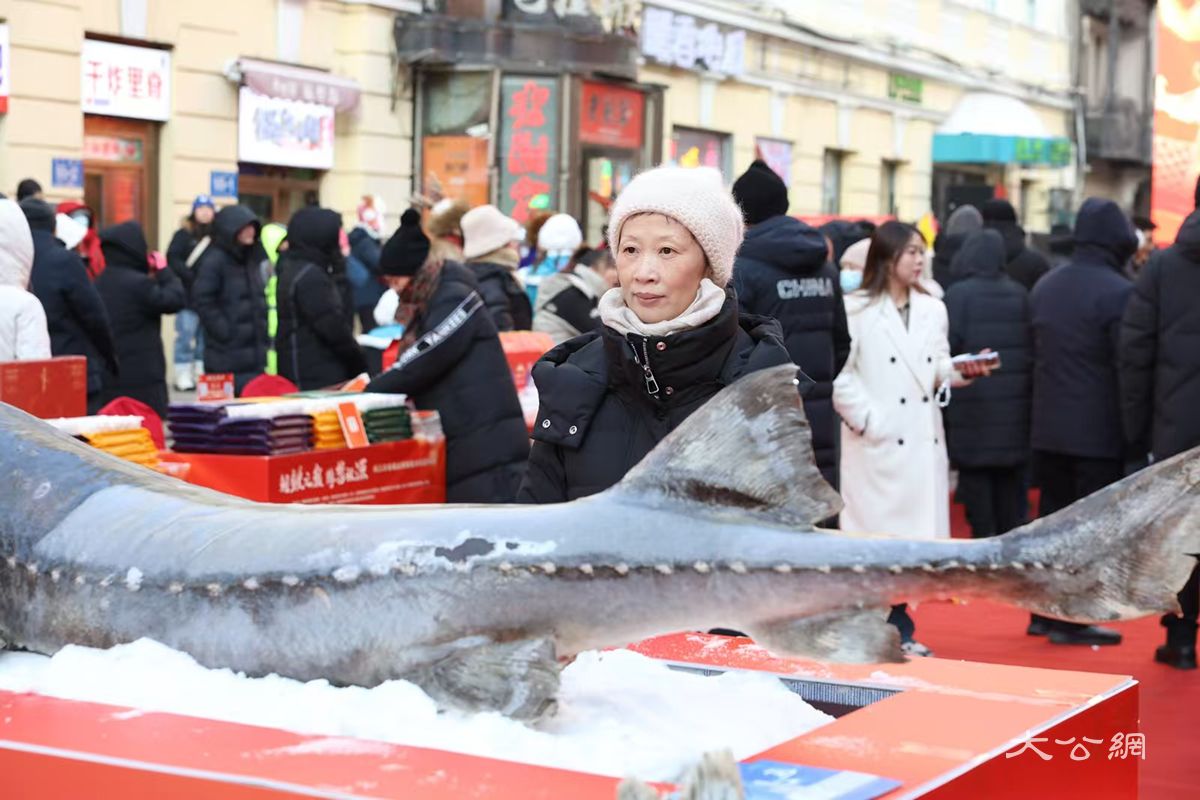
pixel 831 182
pixel 1031 13
pixel 692 147
pixel 888 171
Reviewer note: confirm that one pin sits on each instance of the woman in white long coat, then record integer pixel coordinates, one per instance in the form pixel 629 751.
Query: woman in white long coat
pixel 895 472
pixel 23 334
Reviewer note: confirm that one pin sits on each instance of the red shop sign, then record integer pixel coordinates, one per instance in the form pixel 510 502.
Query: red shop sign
pixel 611 115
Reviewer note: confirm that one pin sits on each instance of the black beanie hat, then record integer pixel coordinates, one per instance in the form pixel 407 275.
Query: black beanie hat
pixel 407 250
pixel 39 214
pixel 761 193
pixel 997 210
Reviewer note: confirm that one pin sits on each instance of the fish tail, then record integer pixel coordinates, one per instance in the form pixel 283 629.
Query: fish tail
pixel 1114 555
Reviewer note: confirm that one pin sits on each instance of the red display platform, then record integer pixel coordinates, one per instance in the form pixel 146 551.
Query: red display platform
pixel 56 387
pixel 946 729
pixel 411 471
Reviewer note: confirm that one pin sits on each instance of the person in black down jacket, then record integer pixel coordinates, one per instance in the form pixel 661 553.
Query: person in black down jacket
pixel 183 252
pixel 963 221
pixel 451 362
pixel 491 253
pixel 1025 266
pixel 315 340
pixel 987 424
pixel 781 272
pixel 228 292
pixel 1076 434
pixel 136 296
pixel 1160 388
pixel 672 338
pixel 75 314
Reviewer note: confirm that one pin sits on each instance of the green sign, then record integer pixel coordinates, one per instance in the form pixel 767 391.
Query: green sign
pixel 1055 152
pixel 905 87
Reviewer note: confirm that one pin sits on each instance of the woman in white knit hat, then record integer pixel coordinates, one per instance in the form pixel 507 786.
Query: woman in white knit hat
pixel 490 248
pixel 671 339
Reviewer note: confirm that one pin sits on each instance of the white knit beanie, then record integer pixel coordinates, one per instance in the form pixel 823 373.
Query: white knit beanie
pixel 486 228
pixel 698 199
pixel 560 235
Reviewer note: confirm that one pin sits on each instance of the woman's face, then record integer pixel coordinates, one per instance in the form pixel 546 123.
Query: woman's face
pixel 659 266
pixel 911 264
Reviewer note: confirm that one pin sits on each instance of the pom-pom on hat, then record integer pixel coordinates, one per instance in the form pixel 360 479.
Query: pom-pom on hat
pixel 407 250
pixel 698 199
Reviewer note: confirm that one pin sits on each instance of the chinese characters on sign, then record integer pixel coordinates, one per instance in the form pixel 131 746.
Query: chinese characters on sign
pixel 528 145
pixel 611 115
pixel 683 41
pixel 284 132
pixel 300 85
pixel 112 148
pixel 1055 152
pixel 301 479
pixel 124 81
pixel 1122 746
pixel 456 167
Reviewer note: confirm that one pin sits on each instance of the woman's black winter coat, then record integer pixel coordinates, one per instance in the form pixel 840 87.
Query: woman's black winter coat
pixel 458 368
pixel 136 301
pixel 1160 350
pixel 315 339
pixel 506 301
pixel 987 423
pixel 228 292
pixel 781 272
pixel 597 418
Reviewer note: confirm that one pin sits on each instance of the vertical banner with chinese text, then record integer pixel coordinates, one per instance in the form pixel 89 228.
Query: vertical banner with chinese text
pixel 1176 121
pixel 528 153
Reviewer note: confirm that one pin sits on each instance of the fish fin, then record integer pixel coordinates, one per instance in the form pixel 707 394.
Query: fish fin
pixel 858 636
pixel 715 776
pixel 517 678
pixel 1107 557
pixel 748 449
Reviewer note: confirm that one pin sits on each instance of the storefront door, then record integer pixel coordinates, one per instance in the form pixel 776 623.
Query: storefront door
pixel 275 193
pixel 120 157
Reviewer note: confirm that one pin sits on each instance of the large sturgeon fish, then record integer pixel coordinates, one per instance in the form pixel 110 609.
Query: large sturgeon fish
pixel 476 603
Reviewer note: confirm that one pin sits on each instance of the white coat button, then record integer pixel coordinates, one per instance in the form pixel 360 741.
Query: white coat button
pixel 545 423
pixel 660 346
pixel 573 430
pixel 670 390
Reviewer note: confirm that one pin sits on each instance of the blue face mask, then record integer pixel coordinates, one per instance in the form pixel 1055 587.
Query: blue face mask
pixel 851 279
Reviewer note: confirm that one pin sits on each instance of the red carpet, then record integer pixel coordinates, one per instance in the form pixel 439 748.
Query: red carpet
pixel 1170 699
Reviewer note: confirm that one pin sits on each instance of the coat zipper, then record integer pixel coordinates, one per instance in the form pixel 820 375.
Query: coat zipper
pixel 644 363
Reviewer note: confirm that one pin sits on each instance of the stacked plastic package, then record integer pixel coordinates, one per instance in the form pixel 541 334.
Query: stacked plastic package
pixel 277 426
pixel 123 437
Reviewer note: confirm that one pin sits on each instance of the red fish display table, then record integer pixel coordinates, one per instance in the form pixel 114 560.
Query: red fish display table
pixel 944 729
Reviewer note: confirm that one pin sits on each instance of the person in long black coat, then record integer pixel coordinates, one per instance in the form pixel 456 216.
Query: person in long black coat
pixel 228 293
pixel 75 314
pixel 781 271
pixel 1076 431
pixel 452 362
pixel 136 296
pixel 673 337
pixel 1025 266
pixel 315 340
pixel 1160 388
pixel 987 423
pixel 963 221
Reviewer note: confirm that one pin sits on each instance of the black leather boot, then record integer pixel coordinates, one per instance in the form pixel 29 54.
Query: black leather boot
pixel 1180 650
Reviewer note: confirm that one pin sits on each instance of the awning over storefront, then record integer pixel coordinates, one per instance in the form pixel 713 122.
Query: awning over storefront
pixel 986 128
pixel 300 84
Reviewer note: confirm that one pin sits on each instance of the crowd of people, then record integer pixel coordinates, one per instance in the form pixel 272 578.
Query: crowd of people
pixel 975 356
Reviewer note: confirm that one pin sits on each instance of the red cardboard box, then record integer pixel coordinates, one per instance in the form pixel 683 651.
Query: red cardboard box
pixel 389 473
pixel 523 349
pixel 53 388
pixel 945 729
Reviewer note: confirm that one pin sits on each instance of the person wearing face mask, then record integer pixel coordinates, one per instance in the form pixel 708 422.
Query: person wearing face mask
pixel 89 249
pixel 315 339
pixel 1078 444
pixel 672 337
pixel 894 465
pixel 137 290
pixel 228 294
pixel 185 249
pixel 451 361
pixel 781 271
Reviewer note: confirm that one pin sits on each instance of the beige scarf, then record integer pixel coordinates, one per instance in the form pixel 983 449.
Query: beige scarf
pixel 618 316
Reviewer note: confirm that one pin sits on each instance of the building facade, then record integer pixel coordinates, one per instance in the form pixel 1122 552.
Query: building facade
pixel 872 108
pixel 134 107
